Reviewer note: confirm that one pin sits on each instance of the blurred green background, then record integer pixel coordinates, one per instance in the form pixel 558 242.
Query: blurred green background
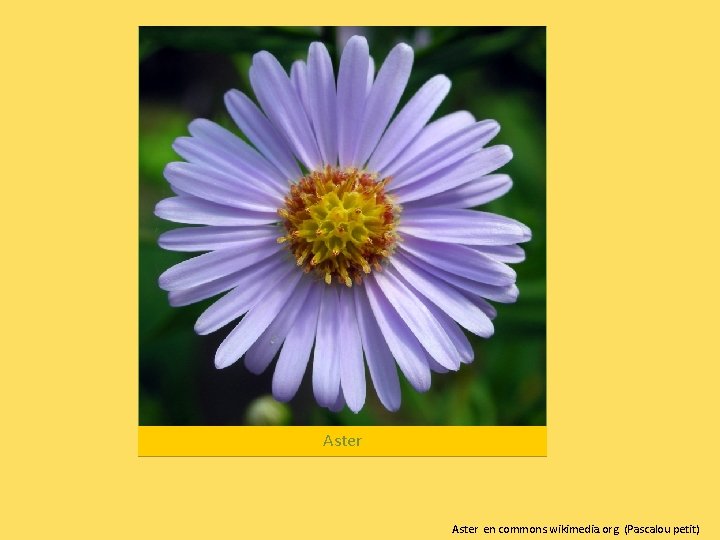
pixel 497 72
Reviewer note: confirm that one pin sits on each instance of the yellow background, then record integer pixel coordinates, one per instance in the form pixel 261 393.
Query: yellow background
pixel 633 270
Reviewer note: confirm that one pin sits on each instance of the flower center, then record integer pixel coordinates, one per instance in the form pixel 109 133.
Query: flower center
pixel 340 223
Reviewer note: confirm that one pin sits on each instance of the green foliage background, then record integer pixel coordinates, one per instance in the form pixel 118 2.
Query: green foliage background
pixel 496 73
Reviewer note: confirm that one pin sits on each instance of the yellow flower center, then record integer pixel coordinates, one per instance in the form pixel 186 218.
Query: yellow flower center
pixel 339 223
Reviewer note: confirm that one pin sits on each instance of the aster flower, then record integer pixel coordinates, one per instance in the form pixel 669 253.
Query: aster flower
pixel 341 232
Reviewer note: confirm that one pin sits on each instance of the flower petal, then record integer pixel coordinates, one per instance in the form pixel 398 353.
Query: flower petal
pixel 409 121
pixel 458 337
pixel 351 92
pixel 322 101
pixel 383 99
pixel 460 260
pixel 506 254
pixel 194 211
pixel 352 367
pixel 212 238
pixel 370 76
pixel 484 305
pixel 377 354
pixel 448 299
pixel 458 226
pixel 299 81
pixel 295 353
pixel 430 135
pixel 184 297
pixel 474 166
pixel 261 353
pixel 242 298
pixel 226 147
pixel 256 321
pixel 434 366
pixel 328 350
pixel 447 152
pixel 405 347
pixel 216 264
pixel 207 156
pixel 473 193
pixel 258 129
pixel 496 293
pixel 218 187
pixel 283 107
pixel 418 318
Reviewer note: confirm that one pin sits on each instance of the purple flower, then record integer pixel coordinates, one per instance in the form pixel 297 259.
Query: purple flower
pixel 342 227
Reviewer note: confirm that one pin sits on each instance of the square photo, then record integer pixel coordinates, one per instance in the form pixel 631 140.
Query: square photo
pixel 342 226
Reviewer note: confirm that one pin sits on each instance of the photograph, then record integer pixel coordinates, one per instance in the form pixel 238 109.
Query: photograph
pixel 342 226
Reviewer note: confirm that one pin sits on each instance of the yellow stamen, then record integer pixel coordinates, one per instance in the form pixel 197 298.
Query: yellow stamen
pixel 342 221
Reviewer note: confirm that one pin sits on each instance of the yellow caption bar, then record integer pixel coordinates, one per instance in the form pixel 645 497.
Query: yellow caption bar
pixel 342 441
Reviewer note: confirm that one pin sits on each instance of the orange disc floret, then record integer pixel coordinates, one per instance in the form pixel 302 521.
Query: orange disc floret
pixel 340 223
